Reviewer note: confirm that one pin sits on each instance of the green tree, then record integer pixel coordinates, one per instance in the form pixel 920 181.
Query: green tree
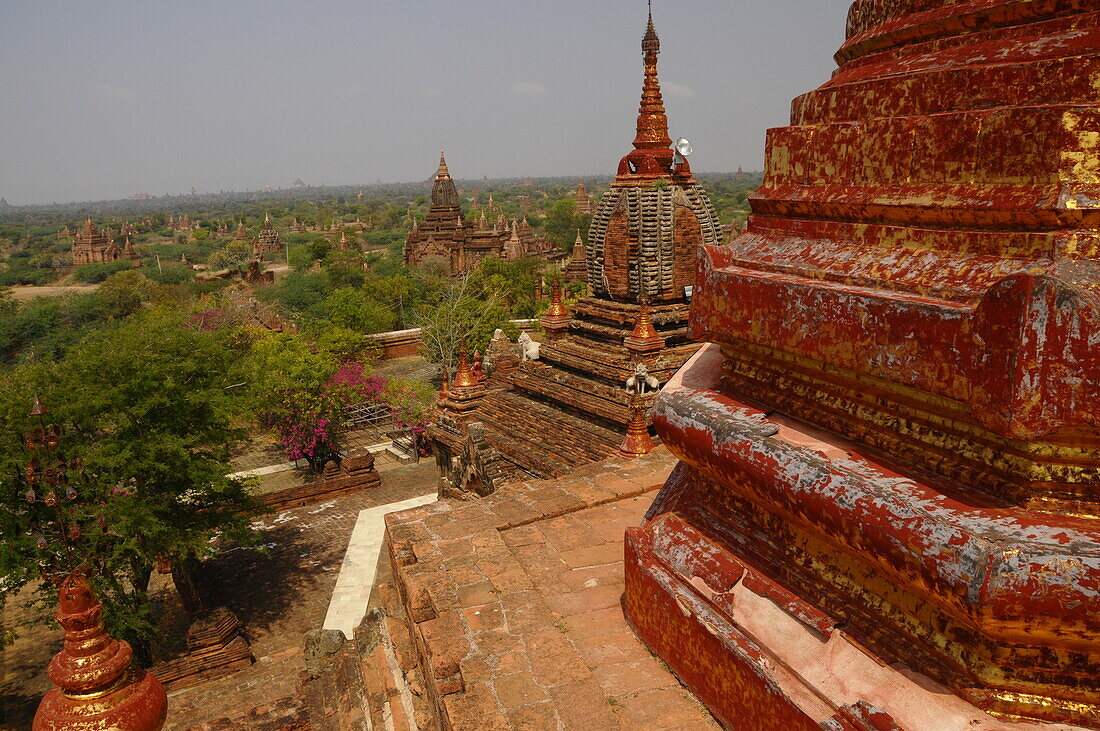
pixel 563 222
pixel 355 310
pixel 461 313
pixel 231 256
pixel 123 293
pixel 148 405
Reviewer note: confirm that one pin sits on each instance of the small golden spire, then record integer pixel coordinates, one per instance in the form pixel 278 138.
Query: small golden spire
pixel 557 307
pixel 464 376
pixel 556 320
pixel 637 443
pixel 644 338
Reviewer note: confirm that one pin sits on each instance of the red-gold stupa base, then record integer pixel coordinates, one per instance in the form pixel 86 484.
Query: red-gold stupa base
pixel 769 661
pixel 137 706
pixel 728 606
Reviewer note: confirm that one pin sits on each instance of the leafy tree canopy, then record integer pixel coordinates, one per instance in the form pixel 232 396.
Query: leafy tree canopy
pixel 149 406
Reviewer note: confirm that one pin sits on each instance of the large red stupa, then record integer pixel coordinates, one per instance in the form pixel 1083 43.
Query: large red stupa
pixel 888 505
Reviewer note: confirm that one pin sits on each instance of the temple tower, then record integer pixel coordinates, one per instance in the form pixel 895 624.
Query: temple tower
pixel 571 406
pixel 643 238
pixel 584 203
pixel 91 246
pixel 268 242
pixel 576 269
pixel 889 489
pixel 445 233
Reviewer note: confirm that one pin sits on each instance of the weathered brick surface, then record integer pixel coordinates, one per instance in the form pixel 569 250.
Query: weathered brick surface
pixel 512 603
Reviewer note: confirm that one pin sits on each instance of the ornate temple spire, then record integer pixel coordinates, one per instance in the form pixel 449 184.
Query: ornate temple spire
pixel 652 120
pixel 513 249
pixel 644 338
pixel 442 173
pixel 556 320
pixel 444 194
pixel 464 377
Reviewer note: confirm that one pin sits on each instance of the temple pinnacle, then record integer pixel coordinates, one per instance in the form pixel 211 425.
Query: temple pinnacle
pixel 652 120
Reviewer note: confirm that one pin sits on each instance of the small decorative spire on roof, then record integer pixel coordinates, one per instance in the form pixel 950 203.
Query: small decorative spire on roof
pixel 97 686
pixel 644 338
pixel 637 443
pixel 556 320
pixel 464 376
pixel 443 172
pixel 557 306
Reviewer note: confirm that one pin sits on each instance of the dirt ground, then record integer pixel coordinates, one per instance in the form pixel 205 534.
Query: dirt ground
pixel 28 293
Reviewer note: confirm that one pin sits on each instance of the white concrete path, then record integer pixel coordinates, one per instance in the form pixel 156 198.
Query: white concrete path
pixel 349 599
pixel 269 470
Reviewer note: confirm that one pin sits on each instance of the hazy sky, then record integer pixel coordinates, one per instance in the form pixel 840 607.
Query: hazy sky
pixel 106 98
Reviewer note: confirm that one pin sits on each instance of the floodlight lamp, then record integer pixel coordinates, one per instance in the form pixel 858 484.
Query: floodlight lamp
pixel 683 147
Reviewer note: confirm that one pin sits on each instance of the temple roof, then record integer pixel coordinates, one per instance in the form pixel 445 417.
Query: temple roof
pixel 444 194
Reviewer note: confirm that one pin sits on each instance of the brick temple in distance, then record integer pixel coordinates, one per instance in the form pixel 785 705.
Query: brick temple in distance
pixel 886 511
pixel 447 235
pixel 92 246
pixel 542 418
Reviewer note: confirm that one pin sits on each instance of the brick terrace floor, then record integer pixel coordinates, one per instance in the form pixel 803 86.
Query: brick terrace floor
pixel 281 594
pixel 530 615
pixel 575 563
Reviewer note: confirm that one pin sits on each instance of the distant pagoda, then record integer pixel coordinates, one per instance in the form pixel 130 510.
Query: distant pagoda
pixel 584 204
pixel 446 234
pixel 268 242
pixel 576 270
pixel 570 407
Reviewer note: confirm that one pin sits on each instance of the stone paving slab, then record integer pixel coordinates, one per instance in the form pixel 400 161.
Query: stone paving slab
pixel 514 605
pixel 351 594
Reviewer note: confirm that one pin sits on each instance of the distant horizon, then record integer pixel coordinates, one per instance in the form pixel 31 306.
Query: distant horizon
pixel 459 180
pixel 120 97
